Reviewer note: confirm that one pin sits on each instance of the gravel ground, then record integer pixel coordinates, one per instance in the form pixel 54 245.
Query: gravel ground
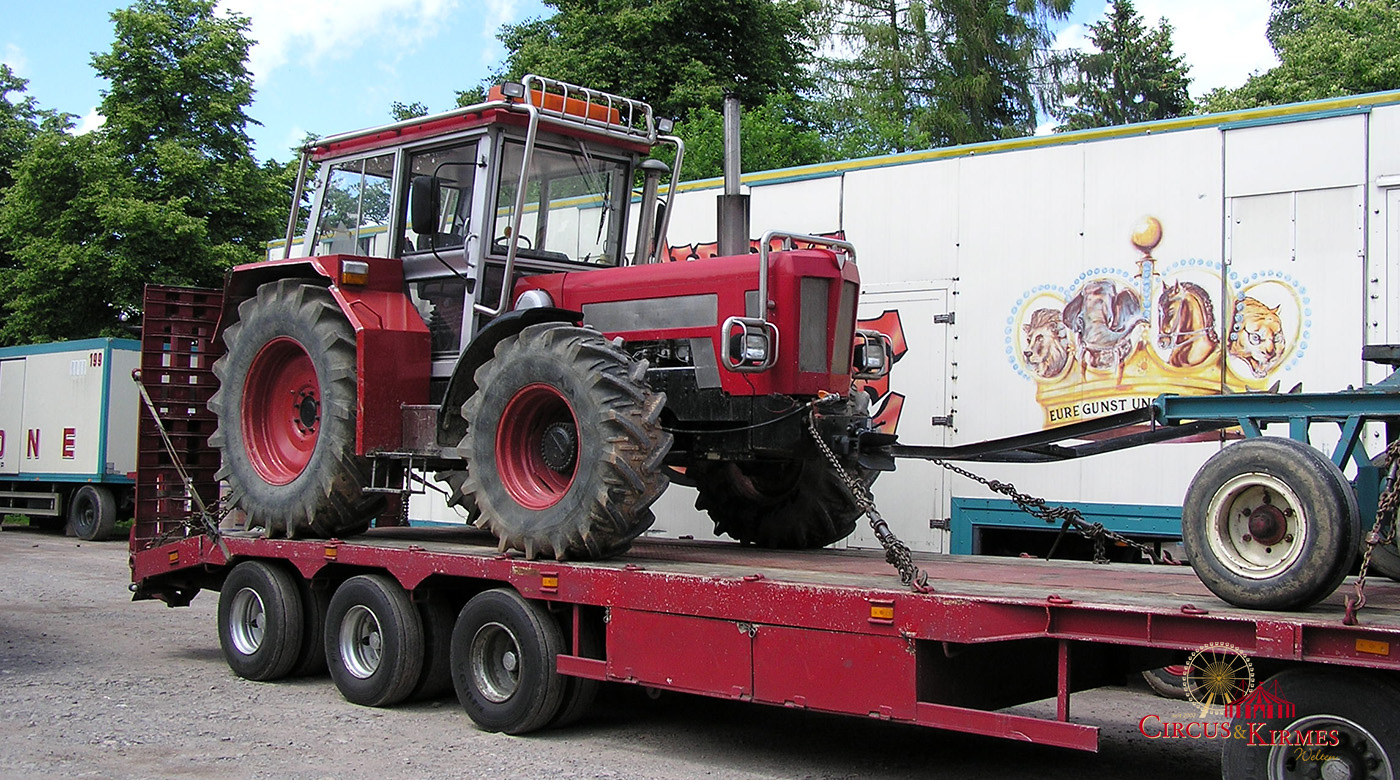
pixel 94 686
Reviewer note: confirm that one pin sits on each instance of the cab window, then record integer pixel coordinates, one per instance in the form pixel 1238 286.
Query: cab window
pixel 454 171
pixel 574 205
pixel 354 210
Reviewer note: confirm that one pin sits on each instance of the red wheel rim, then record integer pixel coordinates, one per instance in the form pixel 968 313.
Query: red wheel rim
pixel 281 411
pixel 525 468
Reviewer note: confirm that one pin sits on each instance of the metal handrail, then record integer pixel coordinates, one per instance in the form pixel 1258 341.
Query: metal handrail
pixel 840 247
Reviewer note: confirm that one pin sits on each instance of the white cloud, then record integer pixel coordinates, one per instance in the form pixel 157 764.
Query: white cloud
pixel 498 12
pixel 1223 40
pixel 310 31
pixel 90 122
pixel 14 57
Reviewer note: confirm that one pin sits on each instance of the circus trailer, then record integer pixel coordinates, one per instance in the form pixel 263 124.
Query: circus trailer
pixel 1044 281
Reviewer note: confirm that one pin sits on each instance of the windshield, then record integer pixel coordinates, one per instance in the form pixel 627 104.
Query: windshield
pixel 574 204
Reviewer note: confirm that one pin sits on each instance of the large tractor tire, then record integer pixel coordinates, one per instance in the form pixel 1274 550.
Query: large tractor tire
pixel 1269 523
pixel 564 447
pixel 793 505
pixel 286 409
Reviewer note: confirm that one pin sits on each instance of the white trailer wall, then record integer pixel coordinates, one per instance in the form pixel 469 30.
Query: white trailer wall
pixel 1288 218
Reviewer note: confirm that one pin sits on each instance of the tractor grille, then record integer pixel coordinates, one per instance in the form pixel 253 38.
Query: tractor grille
pixel 819 349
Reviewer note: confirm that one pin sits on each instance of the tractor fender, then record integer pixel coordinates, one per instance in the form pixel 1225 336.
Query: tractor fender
pixel 451 426
pixel 391 340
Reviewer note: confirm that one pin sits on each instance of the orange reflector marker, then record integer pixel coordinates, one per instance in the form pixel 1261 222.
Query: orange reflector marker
pixel 881 611
pixel 549 581
pixel 1372 646
pixel 354 272
pixel 174 557
pixel 332 551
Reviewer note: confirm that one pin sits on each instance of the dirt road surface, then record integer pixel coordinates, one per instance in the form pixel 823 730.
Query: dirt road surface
pixel 95 686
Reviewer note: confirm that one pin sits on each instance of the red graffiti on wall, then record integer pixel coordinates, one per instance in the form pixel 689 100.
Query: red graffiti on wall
pixel 687 252
pixel 888 405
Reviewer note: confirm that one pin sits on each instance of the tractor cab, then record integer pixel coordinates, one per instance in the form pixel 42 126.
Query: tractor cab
pixel 512 187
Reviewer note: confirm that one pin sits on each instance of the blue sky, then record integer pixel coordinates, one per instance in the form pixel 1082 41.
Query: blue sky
pixel 327 66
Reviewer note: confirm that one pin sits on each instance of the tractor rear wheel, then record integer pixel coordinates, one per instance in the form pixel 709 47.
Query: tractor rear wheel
pixel 796 504
pixel 286 409
pixel 564 447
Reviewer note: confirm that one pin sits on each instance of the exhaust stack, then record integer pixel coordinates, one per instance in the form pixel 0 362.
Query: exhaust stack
pixel 733 208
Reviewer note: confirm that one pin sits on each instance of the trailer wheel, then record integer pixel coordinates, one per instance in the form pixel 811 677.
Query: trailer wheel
pixel 1346 719
pixel 92 513
pixel 1269 523
pixel 260 621
pixel 796 504
pixel 1169 682
pixel 438 619
pixel 580 692
pixel 315 603
pixel 564 446
pixel 286 408
pixel 374 641
pixel 504 655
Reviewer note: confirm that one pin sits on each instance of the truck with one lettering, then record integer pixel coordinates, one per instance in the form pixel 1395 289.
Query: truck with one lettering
pixel 68 413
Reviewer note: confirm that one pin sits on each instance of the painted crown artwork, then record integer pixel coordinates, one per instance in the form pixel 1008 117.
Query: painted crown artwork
pixel 1114 338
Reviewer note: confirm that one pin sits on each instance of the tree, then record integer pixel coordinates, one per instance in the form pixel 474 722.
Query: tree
pixel 918 73
pixel 774 135
pixel 1326 49
pixel 21 120
pixel 167 191
pixel 403 111
pixel 1132 77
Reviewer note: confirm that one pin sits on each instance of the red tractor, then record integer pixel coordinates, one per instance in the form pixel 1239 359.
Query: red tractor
pixel 465 306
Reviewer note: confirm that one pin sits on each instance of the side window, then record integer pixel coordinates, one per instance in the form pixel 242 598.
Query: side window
pixel 455 170
pixel 354 217
pixel 573 205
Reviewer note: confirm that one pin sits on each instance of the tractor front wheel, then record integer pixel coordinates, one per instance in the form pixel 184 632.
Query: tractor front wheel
pixel 796 504
pixel 564 447
pixel 286 408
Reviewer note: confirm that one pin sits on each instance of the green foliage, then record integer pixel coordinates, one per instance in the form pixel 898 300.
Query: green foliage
pixel 678 55
pixel 919 73
pixel 1133 77
pixel 402 111
pixel 166 192
pixel 772 136
pixel 1326 49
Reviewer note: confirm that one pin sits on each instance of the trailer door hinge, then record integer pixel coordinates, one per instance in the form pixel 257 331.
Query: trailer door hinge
pixel 940 523
pixel 945 319
pixel 942 421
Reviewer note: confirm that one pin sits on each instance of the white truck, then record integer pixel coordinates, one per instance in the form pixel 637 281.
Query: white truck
pixel 68 415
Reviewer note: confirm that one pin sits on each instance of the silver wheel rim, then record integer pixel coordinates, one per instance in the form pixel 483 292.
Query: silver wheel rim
pixel 1357 756
pixel 495 662
pixel 361 642
pixel 1228 531
pixel 246 621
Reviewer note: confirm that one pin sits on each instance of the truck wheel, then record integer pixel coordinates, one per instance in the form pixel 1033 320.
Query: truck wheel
pixel 1347 720
pixel 1385 560
pixel 286 408
pixel 315 602
pixel 563 446
pixel 504 655
pixel 374 641
pixel 580 692
pixel 438 619
pixel 1169 682
pixel 1269 523
pixel 260 621
pixel 796 504
pixel 92 513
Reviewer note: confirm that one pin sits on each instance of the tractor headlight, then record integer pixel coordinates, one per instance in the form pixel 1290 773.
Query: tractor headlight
pixel 534 299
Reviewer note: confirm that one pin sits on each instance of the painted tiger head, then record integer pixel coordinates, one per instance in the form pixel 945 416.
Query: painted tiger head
pixel 1256 336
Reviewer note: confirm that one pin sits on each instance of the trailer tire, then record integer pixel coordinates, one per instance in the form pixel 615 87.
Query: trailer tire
pixel 1269 523
pixel 315 603
pixel 1358 706
pixel 564 445
pixel 92 513
pixel 374 641
pixel 580 692
pixel 438 618
pixel 261 621
pixel 1169 682
pixel 504 662
pixel 793 505
pixel 291 465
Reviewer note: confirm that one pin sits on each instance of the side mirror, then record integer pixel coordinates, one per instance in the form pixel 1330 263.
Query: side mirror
pixel 424 204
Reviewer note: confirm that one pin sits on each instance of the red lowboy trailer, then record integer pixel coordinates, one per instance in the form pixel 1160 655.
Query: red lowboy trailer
pixel 398 613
